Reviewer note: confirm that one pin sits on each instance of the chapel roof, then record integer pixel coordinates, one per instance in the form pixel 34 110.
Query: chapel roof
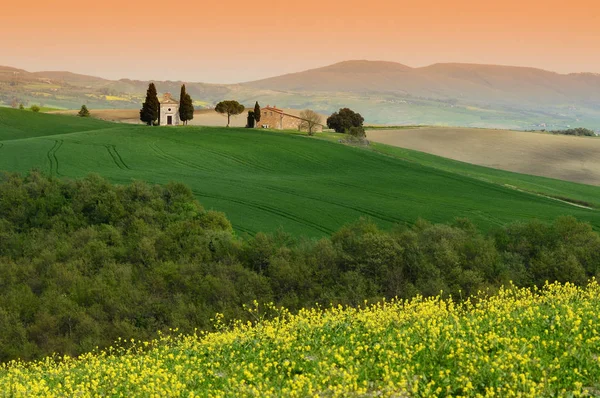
pixel 168 99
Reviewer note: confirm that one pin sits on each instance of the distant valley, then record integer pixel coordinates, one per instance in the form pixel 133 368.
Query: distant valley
pixel 383 92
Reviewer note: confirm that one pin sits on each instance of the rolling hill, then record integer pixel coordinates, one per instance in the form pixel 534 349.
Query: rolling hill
pixel 485 83
pixel 384 92
pixel 267 180
pixel 556 156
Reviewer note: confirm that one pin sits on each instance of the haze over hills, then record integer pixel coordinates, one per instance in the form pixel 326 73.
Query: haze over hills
pixel 384 92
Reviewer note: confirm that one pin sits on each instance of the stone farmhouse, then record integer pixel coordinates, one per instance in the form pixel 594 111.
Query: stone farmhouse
pixel 272 117
pixel 169 111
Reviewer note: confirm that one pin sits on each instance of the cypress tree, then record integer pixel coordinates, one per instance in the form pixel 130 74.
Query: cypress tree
pixel 186 106
pixel 182 101
pixel 189 108
pixel 151 108
pixel 251 119
pixel 257 112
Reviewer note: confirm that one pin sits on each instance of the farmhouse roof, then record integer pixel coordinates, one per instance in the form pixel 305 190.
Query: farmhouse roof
pixel 168 99
pixel 281 112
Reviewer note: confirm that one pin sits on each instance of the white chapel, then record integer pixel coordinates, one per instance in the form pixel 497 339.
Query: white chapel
pixel 169 111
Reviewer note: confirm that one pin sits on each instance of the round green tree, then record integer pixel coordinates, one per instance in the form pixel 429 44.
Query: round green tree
pixel 229 108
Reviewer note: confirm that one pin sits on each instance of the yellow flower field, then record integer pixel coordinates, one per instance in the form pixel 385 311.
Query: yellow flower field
pixel 520 342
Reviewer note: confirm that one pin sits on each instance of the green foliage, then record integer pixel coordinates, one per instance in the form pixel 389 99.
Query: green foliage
pixel 343 120
pixel 21 107
pixel 150 111
pixel 84 112
pixel 257 112
pixel 250 120
pixel 84 262
pixel 356 131
pixel 229 108
pixel 35 108
pixel 186 106
pixel 579 131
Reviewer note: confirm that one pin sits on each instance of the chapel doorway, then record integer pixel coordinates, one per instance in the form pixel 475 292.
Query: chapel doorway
pixel 169 120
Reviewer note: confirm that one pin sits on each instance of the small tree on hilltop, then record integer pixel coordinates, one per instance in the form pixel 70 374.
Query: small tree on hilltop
pixel 257 112
pixel 310 120
pixel 151 107
pixel 229 108
pixel 21 106
pixel 35 108
pixel 83 112
pixel 344 119
pixel 186 106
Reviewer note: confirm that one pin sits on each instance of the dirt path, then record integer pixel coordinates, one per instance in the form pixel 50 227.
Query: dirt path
pixel 563 157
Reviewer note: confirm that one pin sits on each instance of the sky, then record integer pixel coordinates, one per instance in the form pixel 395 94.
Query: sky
pixel 235 41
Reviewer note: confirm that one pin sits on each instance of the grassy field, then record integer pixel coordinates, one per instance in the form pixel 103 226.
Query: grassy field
pixel 266 180
pixel 568 158
pixel 527 343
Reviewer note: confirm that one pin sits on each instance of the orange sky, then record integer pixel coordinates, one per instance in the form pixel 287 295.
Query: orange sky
pixel 244 40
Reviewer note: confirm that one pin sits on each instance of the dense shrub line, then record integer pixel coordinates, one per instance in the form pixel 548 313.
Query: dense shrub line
pixel 85 262
pixel 578 131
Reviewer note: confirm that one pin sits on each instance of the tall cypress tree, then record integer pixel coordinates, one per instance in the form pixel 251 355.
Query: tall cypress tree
pixel 257 112
pixel 182 107
pixel 151 108
pixel 189 108
pixel 186 106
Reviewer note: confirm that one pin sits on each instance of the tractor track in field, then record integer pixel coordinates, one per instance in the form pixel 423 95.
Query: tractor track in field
pixel 173 159
pixel 358 209
pixel 268 209
pixel 116 157
pixel 304 156
pixel 53 158
pixel 234 159
pixel 112 152
pixel 359 188
pixel 244 230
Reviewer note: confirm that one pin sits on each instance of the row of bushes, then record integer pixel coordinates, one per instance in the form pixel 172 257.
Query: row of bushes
pixel 85 262
pixel 578 131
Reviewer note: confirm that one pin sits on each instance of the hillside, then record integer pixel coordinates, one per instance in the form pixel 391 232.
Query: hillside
pixel 384 92
pixel 556 156
pixel 468 82
pixel 22 125
pixel 266 180
pixel 518 343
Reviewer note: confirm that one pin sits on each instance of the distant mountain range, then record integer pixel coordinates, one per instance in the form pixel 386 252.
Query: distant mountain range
pixel 384 92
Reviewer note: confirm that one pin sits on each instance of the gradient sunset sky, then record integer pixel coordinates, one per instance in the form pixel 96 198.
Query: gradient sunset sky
pixel 235 41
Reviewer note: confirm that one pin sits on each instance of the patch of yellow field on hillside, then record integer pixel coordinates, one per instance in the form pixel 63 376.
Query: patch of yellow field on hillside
pixel 518 343
pixel 115 98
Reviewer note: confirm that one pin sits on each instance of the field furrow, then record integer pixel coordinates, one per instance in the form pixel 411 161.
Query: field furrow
pixel 268 209
pixel 173 159
pixel 52 157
